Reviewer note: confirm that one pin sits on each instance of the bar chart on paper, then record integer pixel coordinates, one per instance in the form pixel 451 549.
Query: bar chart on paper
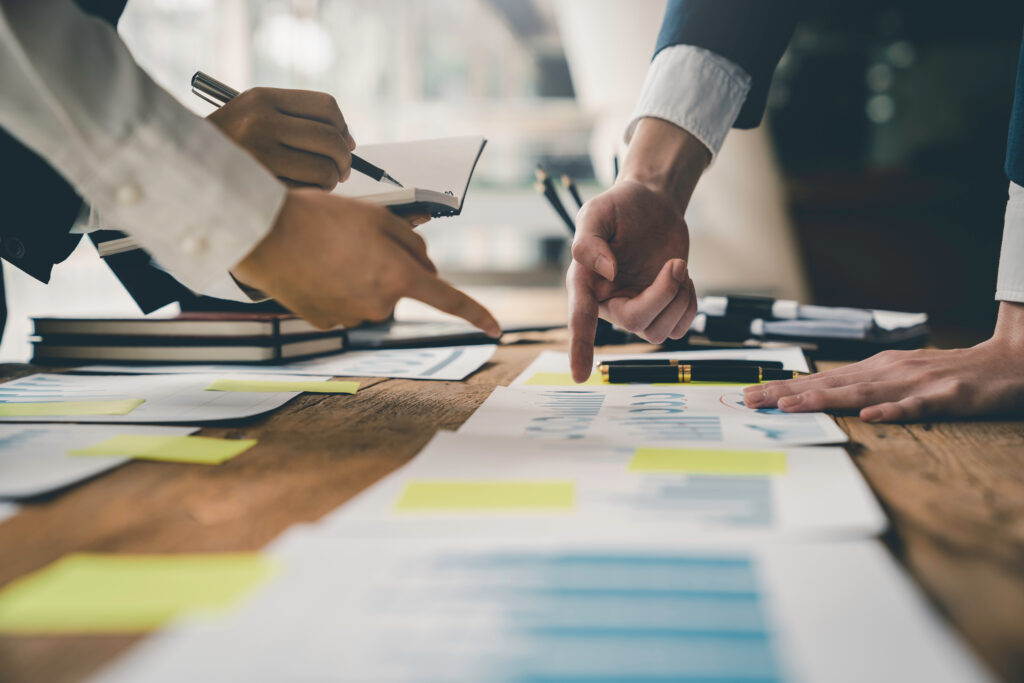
pixel 539 612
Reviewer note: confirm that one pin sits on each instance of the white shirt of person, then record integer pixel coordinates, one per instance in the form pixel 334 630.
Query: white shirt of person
pixel 196 201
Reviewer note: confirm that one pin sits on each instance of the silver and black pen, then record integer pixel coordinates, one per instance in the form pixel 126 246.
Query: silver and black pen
pixel 216 93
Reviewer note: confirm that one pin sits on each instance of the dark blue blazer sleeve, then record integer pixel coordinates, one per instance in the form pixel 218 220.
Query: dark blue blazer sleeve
pixel 1015 139
pixel 750 33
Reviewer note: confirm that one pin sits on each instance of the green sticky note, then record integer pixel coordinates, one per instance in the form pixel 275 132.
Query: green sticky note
pixel 203 450
pixel 708 461
pixel 562 379
pixel 312 386
pixel 103 593
pixel 486 495
pixel 70 408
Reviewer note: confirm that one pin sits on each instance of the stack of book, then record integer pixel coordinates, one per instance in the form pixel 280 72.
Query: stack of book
pixel 187 338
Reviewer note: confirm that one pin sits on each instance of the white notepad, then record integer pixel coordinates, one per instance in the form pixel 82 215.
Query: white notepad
pixel 435 173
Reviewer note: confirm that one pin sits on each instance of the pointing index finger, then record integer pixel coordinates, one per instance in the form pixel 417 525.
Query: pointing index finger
pixel 582 326
pixel 434 291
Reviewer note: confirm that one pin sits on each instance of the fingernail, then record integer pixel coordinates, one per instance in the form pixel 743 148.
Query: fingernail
pixel 419 221
pixel 604 267
pixel 351 142
pixel 679 272
pixel 753 396
pixel 870 414
pixel 791 401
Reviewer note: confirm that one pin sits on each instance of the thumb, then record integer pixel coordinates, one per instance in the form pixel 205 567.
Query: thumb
pixel 594 254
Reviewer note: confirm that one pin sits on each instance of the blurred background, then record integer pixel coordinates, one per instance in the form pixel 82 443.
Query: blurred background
pixel 876 181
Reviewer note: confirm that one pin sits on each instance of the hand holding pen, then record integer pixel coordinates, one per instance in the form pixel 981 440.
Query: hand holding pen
pixel 300 135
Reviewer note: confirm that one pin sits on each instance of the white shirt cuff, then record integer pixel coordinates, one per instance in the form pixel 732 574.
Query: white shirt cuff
pixel 697 90
pixel 1010 282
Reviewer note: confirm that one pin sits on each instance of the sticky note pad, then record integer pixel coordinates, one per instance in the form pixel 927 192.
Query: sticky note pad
pixel 486 495
pixel 104 593
pixel 562 379
pixel 708 461
pixel 313 386
pixel 193 449
pixel 70 408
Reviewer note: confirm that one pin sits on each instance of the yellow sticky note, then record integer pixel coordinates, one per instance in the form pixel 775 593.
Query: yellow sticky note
pixel 486 495
pixel 70 408
pixel 193 449
pixel 708 461
pixel 312 386
pixel 103 593
pixel 562 379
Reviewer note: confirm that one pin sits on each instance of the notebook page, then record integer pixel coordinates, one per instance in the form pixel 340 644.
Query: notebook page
pixel 443 165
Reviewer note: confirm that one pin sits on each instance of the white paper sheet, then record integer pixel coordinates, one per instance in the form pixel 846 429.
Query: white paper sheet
pixel 34 458
pixel 471 610
pixel 558 361
pixel 637 413
pixel 451 363
pixel 802 492
pixel 441 164
pixel 168 398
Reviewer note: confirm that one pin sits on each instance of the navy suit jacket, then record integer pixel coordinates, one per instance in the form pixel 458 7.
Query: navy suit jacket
pixel 1015 139
pixel 754 34
pixel 750 33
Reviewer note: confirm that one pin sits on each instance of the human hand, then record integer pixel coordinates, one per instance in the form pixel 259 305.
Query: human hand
pixel 906 386
pixel 629 267
pixel 334 260
pixel 632 244
pixel 299 135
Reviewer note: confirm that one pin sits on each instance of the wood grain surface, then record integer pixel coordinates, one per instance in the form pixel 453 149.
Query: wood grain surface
pixel 954 493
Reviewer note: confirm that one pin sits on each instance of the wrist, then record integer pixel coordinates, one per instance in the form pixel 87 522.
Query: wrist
pixel 665 158
pixel 1010 324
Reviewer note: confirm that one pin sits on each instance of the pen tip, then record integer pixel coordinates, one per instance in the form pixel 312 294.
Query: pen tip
pixel 391 180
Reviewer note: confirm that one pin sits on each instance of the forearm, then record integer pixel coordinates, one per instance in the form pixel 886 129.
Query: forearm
pixel 73 94
pixel 666 158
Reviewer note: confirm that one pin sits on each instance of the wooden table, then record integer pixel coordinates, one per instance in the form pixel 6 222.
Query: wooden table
pixel 954 492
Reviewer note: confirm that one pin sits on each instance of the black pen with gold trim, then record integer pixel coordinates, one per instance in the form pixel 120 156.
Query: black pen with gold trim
pixel 684 374
pixel 702 362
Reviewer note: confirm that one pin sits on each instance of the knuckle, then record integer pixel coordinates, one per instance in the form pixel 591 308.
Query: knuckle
pixel 956 389
pixel 914 404
pixel 631 322
pixel 259 94
pixel 380 308
pixel 814 396
pixel 326 174
pixel 577 250
pixel 888 356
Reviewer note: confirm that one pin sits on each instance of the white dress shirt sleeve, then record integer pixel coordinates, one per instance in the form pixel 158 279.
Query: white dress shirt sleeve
pixel 197 202
pixel 697 90
pixel 1010 282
